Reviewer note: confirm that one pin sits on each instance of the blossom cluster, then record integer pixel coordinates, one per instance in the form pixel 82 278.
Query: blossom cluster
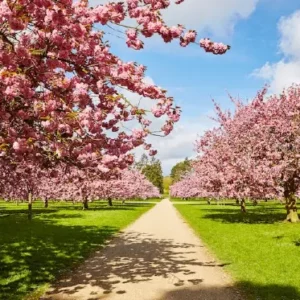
pixel 61 86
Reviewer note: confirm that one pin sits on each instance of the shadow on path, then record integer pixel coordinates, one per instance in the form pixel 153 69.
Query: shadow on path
pixel 132 258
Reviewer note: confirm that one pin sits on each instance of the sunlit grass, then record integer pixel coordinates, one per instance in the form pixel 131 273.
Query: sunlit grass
pixel 262 252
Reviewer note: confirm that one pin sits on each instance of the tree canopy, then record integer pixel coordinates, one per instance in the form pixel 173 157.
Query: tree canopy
pixel 180 169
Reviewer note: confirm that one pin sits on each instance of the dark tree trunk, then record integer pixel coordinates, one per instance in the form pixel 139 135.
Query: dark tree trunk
pixel 109 202
pixel 243 206
pixel 290 201
pixel 237 201
pixel 255 202
pixel 291 210
pixel 29 206
pixel 85 203
pixel 208 201
pixel 46 203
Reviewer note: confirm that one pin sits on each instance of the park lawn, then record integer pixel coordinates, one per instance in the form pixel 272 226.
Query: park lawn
pixel 260 251
pixel 187 201
pixel 35 253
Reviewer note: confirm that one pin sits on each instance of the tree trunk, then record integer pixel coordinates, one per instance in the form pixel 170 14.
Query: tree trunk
pixel 29 206
pixel 109 202
pixel 291 210
pixel 255 202
pixel 237 201
pixel 85 203
pixel 46 202
pixel 123 201
pixel 243 206
pixel 208 201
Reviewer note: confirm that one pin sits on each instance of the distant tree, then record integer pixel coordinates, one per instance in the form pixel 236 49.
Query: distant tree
pixel 167 183
pixel 152 170
pixel 180 169
pixel 143 162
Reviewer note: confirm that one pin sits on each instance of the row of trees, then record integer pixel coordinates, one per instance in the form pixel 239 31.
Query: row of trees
pixel 253 153
pixel 29 184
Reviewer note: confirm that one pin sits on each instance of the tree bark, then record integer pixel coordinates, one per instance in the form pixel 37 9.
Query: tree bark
pixel 30 206
pixel 255 202
pixel 237 201
pixel 208 201
pixel 291 210
pixel 46 202
pixel 243 206
pixel 109 202
pixel 85 203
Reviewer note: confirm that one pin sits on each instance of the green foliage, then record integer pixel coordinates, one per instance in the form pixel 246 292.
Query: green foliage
pixel 180 169
pixel 152 170
pixel 167 182
pixel 261 252
pixel 34 253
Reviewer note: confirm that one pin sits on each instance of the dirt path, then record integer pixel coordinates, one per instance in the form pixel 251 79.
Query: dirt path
pixel 156 258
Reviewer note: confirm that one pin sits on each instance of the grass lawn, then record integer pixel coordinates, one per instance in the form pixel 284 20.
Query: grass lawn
pixel 187 201
pixel 34 253
pixel 260 252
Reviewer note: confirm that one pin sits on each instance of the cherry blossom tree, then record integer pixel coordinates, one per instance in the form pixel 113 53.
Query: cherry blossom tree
pixel 254 153
pixel 61 87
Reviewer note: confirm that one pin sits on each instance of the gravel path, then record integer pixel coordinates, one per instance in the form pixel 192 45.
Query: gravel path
pixel 158 257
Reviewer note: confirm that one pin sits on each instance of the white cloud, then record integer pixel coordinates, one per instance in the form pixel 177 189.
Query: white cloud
pixel 289 28
pixel 285 72
pixel 180 143
pixel 216 16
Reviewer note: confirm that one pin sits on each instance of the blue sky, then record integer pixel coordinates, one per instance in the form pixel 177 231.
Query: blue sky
pixel 264 49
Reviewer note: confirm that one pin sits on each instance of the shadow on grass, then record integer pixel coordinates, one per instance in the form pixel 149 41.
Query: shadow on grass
pixel 248 218
pixel 133 257
pixel 270 291
pixel 37 252
pixel 297 243
pixel 257 292
pixel 255 215
pixel 24 211
pixel 7 210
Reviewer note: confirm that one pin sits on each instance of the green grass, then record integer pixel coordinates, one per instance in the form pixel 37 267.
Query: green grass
pixel 260 251
pixel 188 200
pixel 35 253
